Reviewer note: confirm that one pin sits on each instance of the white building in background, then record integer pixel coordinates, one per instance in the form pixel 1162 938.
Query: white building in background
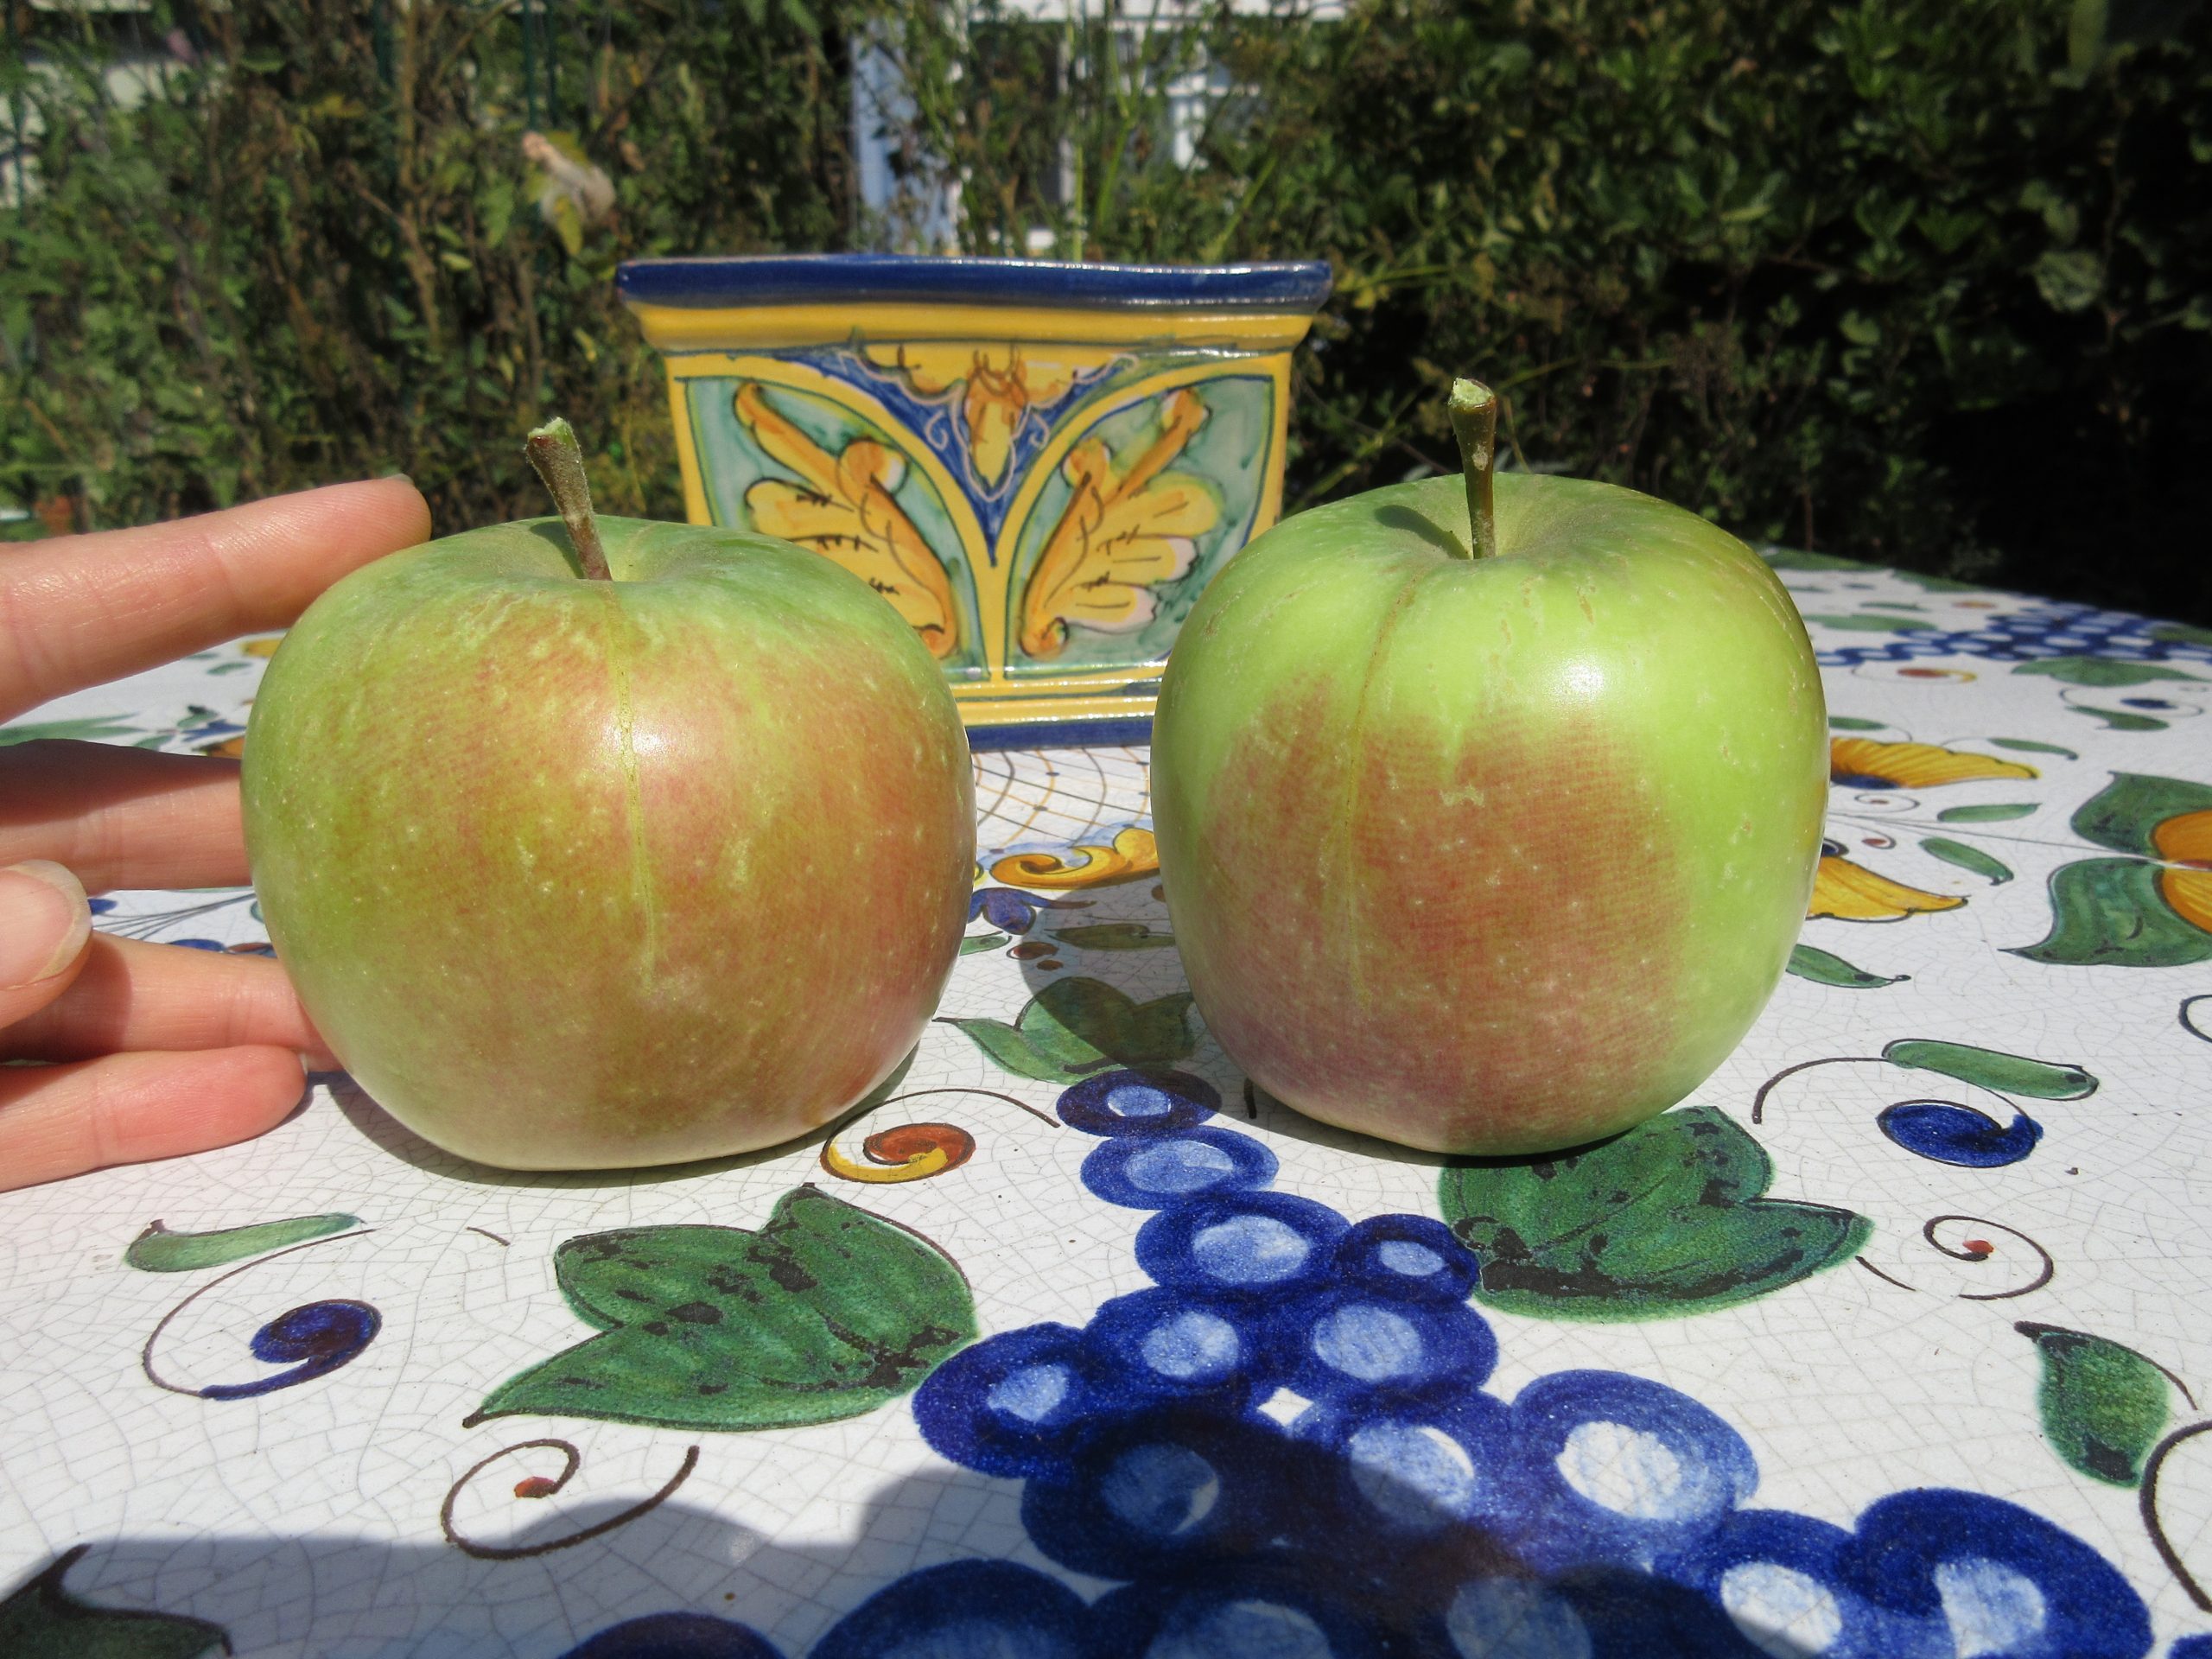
pixel 140 56
pixel 909 200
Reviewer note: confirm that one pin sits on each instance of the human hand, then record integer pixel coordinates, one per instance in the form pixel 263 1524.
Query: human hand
pixel 161 1050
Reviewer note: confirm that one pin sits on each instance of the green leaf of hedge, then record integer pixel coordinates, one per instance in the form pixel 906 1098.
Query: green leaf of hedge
pixel 2070 279
pixel 827 1311
pixel 1665 1220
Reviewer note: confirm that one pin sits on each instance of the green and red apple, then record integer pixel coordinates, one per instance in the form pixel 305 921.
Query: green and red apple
pixel 1488 810
pixel 604 847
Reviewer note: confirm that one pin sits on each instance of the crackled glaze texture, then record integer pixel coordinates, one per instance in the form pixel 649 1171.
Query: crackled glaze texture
pixel 1074 1343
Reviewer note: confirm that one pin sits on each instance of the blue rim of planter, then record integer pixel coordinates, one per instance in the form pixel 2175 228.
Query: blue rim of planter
pixel 801 278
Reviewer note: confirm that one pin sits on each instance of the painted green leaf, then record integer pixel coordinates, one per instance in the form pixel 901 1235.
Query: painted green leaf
pixel 1810 962
pixel 970 946
pixel 1795 558
pixel 1937 584
pixel 2182 633
pixel 2101 671
pixel 159 1250
pixel 2123 814
pixel 1989 812
pixel 2118 720
pixel 1076 1026
pixel 2029 745
pixel 42 1620
pixel 1893 604
pixel 1858 623
pixel 1852 723
pixel 1114 936
pixel 2008 1074
pixel 827 1311
pixel 1966 858
pixel 2109 912
pixel 2103 1406
pixel 1665 1220
pixel 97 730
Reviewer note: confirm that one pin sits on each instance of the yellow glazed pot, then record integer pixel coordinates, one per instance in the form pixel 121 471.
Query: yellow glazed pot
pixel 1040 464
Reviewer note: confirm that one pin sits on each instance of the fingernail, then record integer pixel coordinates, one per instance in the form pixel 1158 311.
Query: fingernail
pixel 44 921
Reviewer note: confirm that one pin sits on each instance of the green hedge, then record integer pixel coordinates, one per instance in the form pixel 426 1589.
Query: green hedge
pixel 1929 283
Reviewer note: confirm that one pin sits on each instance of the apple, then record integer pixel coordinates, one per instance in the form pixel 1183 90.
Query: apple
pixel 1488 810
pixel 598 843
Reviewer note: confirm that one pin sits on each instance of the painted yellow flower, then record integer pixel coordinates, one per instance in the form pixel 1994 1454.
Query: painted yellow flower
pixel 266 646
pixel 1852 893
pixel 845 508
pixel 2185 842
pixel 1133 857
pixel 1002 385
pixel 1864 764
pixel 1120 535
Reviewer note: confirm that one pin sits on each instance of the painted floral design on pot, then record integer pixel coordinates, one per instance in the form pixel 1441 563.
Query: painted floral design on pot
pixel 1041 466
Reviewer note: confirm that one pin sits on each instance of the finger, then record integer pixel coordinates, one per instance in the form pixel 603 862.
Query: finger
pixel 44 922
pixel 122 818
pixel 79 610
pixel 64 1120
pixel 132 996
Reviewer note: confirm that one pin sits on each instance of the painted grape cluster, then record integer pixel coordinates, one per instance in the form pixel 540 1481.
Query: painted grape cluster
pixel 1285 1448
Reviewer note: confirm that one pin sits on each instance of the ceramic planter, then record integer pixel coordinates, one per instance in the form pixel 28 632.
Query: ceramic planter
pixel 1040 464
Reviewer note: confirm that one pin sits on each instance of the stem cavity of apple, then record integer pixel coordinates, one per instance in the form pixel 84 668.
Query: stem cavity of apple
pixel 553 450
pixel 1474 410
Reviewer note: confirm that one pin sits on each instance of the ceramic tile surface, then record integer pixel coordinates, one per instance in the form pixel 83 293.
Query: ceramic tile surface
pixel 1895 1339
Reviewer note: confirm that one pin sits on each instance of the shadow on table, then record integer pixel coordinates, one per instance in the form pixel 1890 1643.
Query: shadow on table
pixel 389 1133
pixel 1201 1535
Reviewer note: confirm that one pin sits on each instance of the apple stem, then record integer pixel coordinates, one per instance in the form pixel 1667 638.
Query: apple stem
pixel 1474 421
pixel 553 450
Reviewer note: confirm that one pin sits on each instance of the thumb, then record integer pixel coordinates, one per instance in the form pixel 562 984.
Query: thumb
pixel 44 926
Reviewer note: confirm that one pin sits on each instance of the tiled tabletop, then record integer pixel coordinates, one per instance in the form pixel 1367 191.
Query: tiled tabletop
pixel 1896 1340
